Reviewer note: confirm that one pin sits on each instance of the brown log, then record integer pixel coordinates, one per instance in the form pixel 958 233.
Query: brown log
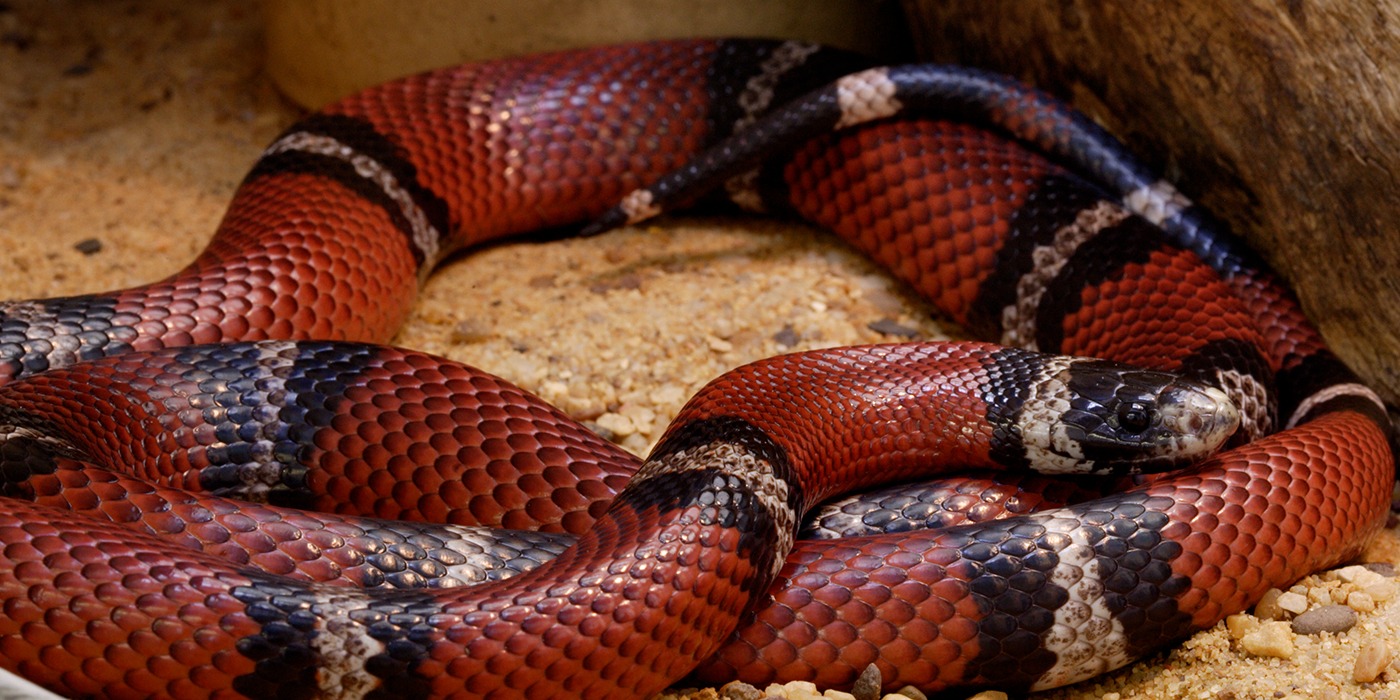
pixel 1282 118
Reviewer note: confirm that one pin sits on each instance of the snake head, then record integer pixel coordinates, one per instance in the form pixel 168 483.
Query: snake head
pixel 1117 419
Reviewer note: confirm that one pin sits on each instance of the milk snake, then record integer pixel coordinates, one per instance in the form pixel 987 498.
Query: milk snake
pixel 1016 223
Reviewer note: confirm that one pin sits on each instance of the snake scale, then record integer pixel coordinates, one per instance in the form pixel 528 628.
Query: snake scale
pixel 132 419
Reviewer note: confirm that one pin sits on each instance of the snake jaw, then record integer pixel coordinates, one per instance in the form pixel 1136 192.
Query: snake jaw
pixel 1109 418
pixel 1180 424
pixel 1201 419
pixel 1196 422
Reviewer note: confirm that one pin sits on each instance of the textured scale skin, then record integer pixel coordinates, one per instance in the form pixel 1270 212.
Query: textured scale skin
pixel 493 149
pixel 494 450
pixel 1229 523
pixel 951 209
pixel 938 503
pixel 932 388
pixel 936 202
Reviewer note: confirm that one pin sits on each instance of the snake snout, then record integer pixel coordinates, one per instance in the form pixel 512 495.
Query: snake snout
pixel 1201 417
pixel 1110 418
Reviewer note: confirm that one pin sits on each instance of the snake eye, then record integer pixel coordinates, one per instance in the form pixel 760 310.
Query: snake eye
pixel 1134 417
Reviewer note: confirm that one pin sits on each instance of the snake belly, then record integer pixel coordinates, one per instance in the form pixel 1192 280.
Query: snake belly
pixel 333 228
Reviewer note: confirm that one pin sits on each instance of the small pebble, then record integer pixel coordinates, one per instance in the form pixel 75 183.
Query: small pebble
pixel 618 425
pixel 739 690
pixel 795 690
pixel 1345 573
pixel 1361 602
pixel 787 336
pixel 1371 661
pixel 1338 594
pixel 1271 639
pixel 88 246
pixel 669 393
pixel 1381 591
pixel 1241 624
pixel 1384 568
pixel 601 430
pixel 910 691
pixel 867 685
pixel 1328 618
pixel 641 416
pixel 989 695
pixel 472 330
pixel 1293 602
pixel 1322 594
pixel 833 694
pixel 1268 608
pixel 889 326
pixel 1353 574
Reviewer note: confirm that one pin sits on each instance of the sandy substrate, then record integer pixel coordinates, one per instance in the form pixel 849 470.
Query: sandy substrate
pixel 125 126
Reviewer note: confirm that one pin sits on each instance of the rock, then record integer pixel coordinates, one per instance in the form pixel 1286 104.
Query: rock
pixel 867 685
pixel 601 430
pixel 889 326
pixel 1328 618
pixel 786 337
pixel 794 690
pixel 1355 574
pixel 1361 602
pixel 1384 568
pixel 719 344
pixel 1371 661
pixel 641 416
pixel 618 425
pixel 666 394
pixel 1381 591
pixel 1241 624
pixel 1293 602
pixel 1271 639
pixel 739 690
pixel 1268 608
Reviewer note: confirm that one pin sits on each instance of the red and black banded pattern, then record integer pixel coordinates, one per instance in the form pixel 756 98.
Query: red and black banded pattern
pixel 1276 339
pixel 331 230
pixel 327 238
pixel 704 524
pixel 1003 239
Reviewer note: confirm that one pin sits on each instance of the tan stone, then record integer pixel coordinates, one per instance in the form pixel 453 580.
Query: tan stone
pixel 1271 639
pixel 1372 659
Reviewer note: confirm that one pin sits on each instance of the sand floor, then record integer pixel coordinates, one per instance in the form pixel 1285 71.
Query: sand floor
pixel 125 126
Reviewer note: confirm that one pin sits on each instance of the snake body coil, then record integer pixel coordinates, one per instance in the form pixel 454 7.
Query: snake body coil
pixel 118 581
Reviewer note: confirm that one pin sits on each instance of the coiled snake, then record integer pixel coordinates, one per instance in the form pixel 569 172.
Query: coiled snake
pixel 1018 218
